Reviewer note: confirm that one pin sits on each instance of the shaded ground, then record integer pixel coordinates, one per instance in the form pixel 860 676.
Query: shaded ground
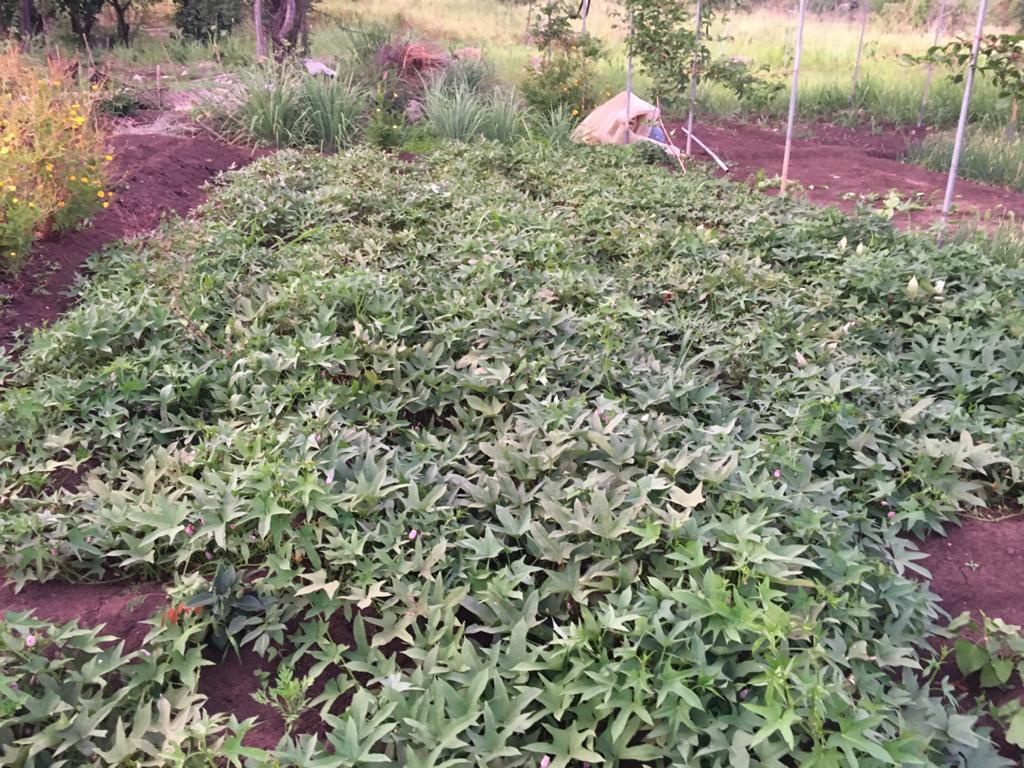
pixel 839 166
pixel 154 175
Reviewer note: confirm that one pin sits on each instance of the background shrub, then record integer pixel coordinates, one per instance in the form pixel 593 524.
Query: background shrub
pixel 52 160
pixel 205 19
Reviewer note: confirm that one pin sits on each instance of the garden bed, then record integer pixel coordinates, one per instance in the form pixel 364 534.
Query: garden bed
pixel 589 460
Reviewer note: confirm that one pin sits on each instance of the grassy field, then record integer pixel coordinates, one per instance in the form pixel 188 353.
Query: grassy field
pixel 890 91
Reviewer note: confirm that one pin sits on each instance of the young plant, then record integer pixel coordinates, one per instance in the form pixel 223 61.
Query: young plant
pixel 230 607
pixel 287 695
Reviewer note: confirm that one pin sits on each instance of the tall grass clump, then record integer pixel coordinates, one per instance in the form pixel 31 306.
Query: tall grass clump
pixel 332 111
pixel 455 113
pixel 52 157
pixel 554 126
pixel 988 155
pixel 270 109
pixel 504 117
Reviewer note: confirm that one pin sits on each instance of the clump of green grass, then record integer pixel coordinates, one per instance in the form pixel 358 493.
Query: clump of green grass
pixel 282 106
pixel 554 127
pixel 988 155
pixel 453 112
pixel 332 111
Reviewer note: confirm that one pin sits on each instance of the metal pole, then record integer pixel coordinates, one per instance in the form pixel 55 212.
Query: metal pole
pixel 940 27
pixel 792 97
pixel 693 83
pixel 965 108
pixel 864 7
pixel 629 76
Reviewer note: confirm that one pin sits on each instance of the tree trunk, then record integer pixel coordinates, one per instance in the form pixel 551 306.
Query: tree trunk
pixel 284 33
pixel 123 30
pixel 1011 128
pixel 261 29
pixel 27 19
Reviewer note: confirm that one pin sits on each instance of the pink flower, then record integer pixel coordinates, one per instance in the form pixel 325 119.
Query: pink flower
pixel 545 761
pixel 413 534
pixel 777 474
pixel 189 529
pixel 30 641
pixel 891 514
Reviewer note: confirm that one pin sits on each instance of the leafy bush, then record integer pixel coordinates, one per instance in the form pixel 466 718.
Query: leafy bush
pixel 52 161
pixel 590 462
pixel 207 19
pixel 563 75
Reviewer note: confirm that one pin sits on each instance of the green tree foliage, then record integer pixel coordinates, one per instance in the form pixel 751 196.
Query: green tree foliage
pixel 665 40
pixel 204 19
pixel 562 76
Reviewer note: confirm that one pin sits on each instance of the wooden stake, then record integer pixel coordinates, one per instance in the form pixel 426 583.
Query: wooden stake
pixel 864 7
pixel 693 83
pixel 961 126
pixel 940 27
pixel 791 119
pixel 629 78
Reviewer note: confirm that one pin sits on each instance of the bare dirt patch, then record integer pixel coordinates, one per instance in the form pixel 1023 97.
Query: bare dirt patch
pixel 838 166
pixel 977 568
pixel 155 175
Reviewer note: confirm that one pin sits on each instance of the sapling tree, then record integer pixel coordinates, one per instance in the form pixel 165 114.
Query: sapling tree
pixel 666 40
pixel 1000 57
pixel 563 77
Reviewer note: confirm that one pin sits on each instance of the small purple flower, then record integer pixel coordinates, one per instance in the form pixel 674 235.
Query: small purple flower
pixel 545 761
pixel 777 474
pixel 885 503
pixel 14 686
pixel 209 555
pixel 744 693
pixel 30 641
pixel 891 514
pixel 190 529
pixel 413 534
pixel 329 476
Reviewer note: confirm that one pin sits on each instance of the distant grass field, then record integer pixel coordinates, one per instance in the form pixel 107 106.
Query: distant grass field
pixel 889 92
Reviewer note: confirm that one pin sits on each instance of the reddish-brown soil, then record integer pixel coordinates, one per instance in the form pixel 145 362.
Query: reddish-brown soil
pixel 154 175
pixel 977 568
pixel 121 608
pixel 837 166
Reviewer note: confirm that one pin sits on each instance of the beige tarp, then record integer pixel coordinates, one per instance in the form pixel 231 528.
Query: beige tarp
pixel 613 123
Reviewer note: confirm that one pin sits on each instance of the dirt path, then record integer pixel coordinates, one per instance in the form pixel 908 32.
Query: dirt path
pixel 835 166
pixel 154 175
